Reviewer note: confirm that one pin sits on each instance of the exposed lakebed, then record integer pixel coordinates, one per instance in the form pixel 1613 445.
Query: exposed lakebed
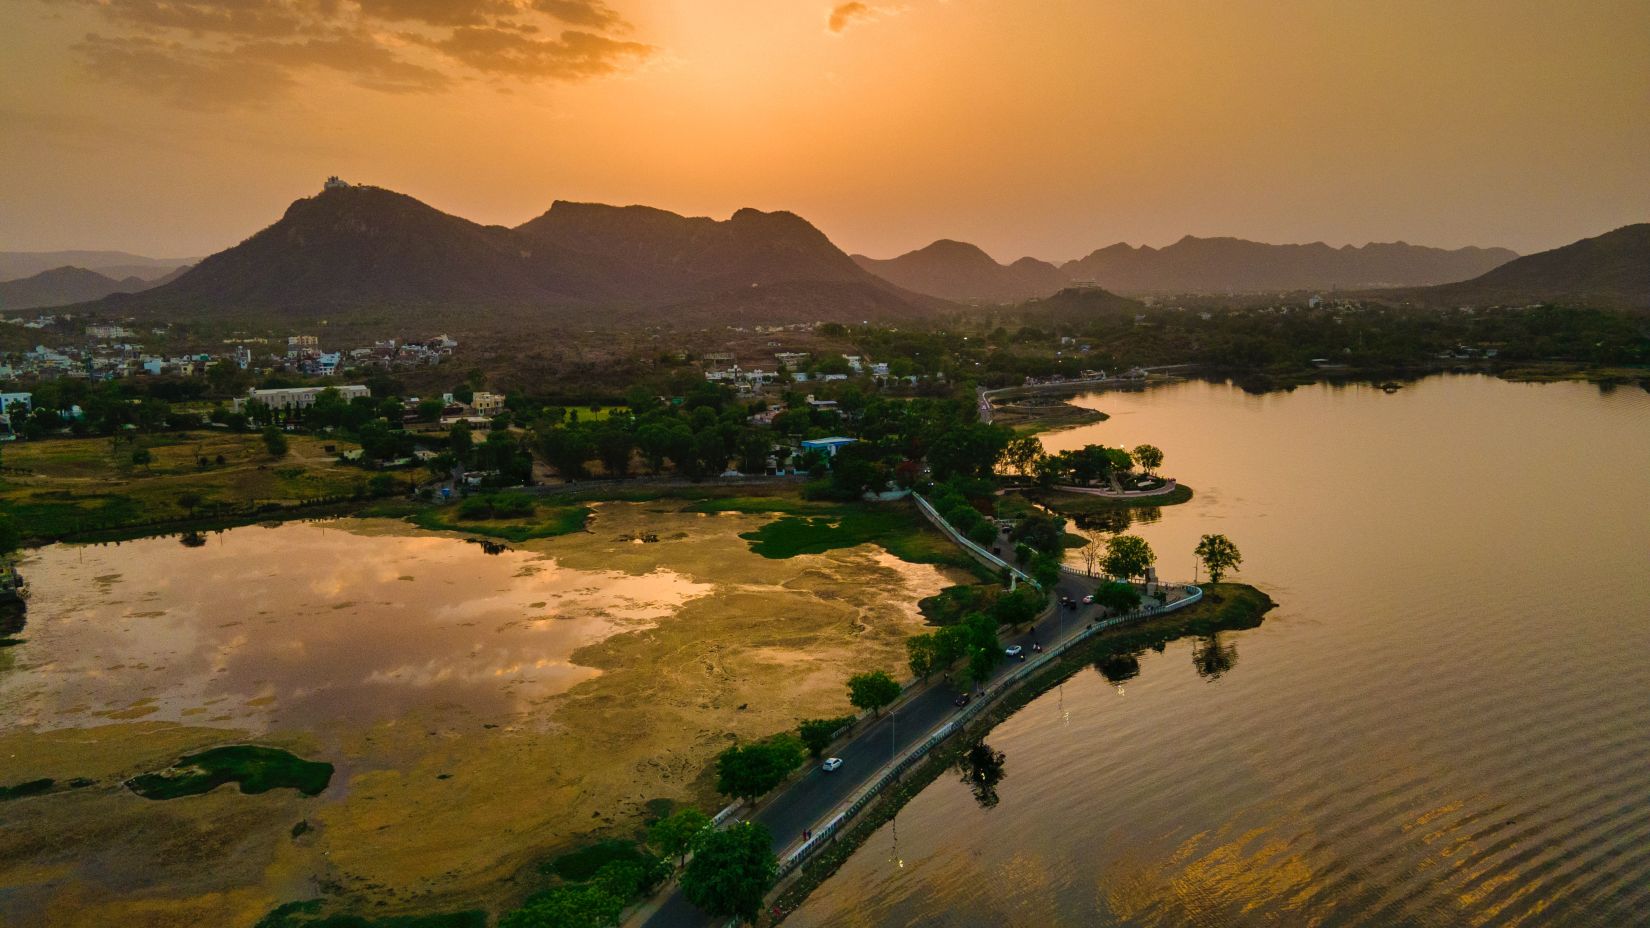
pixel 481 710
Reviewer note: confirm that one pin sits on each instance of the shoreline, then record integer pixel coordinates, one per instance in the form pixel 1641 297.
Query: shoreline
pixel 1226 607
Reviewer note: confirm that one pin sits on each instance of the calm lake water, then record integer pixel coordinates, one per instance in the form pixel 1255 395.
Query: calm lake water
pixel 1446 722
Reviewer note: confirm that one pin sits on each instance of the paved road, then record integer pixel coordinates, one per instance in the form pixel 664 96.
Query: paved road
pixel 806 802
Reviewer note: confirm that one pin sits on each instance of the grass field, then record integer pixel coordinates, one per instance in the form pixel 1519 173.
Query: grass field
pixel 806 527
pixel 60 487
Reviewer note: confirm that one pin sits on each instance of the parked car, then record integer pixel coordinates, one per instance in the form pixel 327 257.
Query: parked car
pixel 961 700
pixel 831 763
pixel 1088 600
pixel 1013 650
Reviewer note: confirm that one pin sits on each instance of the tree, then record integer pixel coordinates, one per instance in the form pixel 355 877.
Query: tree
pixel 1128 556
pixel 679 832
pixel 1218 555
pixel 872 690
pixel 614 444
pixel 1149 457
pixel 1117 597
pixel 981 662
pixel 922 652
pixel 1021 454
pixel 1092 552
pixel 583 905
pixel 275 442
pixel 817 734
pixel 750 770
pixel 459 441
pixel 731 872
pixel 141 457
pixel 189 500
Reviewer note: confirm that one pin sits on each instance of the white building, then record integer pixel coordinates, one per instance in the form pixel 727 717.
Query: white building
pixel 299 397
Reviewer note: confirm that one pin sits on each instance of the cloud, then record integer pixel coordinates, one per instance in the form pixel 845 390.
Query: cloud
pixel 843 15
pixel 572 56
pixel 191 78
pixel 220 53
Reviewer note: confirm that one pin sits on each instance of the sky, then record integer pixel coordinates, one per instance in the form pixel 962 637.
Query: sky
pixel 175 128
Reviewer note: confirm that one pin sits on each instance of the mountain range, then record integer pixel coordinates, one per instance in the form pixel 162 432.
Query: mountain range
pixel 959 271
pixel 1610 270
pixel 578 263
pixel 373 257
pixel 61 286
pixel 15 265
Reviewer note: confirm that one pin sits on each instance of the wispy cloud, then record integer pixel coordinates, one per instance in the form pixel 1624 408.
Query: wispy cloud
pixel 213 54
pixel 844 15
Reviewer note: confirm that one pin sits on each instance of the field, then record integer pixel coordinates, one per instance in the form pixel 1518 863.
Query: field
pixel 64 486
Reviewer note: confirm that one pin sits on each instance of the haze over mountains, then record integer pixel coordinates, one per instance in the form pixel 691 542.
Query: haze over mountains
pixel 15 265
pixel 61 286
pixel 959 271
pixel 576 263
pixel 1609 270
pixel 358 252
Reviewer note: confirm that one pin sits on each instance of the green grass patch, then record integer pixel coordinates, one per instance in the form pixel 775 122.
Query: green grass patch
pixel 27 788
pixel 900 530
pixel 948 606
pixel 257 770
pixel 544 522
pixel 308 914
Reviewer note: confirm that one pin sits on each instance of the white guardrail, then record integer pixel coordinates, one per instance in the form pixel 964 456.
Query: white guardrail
pixel 826 832
pixel 967 543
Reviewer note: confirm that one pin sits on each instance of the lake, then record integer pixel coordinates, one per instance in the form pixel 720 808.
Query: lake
pixel 1444 723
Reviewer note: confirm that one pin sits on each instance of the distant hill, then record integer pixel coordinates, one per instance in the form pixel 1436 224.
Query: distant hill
pixel 1220 265
pixel 1076 305
pixel 962 272
pixel 1608 271
pixel 959 271
pixel 66 285
pixel 578 263
pixel 15 265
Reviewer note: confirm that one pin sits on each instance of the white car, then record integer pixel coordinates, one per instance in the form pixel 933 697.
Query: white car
pixel 1088 600
pixel 831 763
pixel 1013 650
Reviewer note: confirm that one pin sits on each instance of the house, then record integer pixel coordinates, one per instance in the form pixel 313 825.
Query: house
pixel 299 397
pixel 827 445
pixel 10 400
pixel 487 404
pixel 820 404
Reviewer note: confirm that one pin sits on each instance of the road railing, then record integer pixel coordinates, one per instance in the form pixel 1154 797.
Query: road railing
pixel 845 813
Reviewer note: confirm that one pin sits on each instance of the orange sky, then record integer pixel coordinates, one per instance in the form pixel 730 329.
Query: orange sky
pixel 1043 127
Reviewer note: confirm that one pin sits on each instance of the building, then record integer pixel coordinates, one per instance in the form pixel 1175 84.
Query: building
pixel 299 397
pixel 827 445
pixel 487 404
pixel 334 183
pixel 10 400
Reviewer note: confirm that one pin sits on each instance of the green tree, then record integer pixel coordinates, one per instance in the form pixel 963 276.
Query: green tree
pixel 1118 597
pixel 751 770
pixel 460 441
pixel 679 832
pixel 872 690
pixel 731 872
pixel 981 662
pixel 275 442
pixel 1020 455
pixel 583 905
pixel 1218 554
pixel 141 457
pixel 1149 457
pixel 189 500
pixel 1127 556
pixel 922 653
pixel 818 733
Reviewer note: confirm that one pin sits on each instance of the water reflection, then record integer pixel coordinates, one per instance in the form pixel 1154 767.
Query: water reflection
pixel 1214 658
pixel 302 622
pixel 982 769
pixel 1119 669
